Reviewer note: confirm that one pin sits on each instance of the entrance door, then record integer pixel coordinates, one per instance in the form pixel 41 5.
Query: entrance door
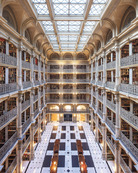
pixel 67 117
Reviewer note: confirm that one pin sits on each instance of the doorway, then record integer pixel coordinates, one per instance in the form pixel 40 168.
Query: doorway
pixel 67 117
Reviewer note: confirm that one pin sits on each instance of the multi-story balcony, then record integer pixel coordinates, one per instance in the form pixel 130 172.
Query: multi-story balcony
pixel 133 150
pixel 111 144
pixel 35 67
pixel 8 88
pixel 100 113
pixel 111 65
pixel 26 125
pixel 35 98
pixel 25 105
pixel 129 60
pixel 69 111
pixel 26 65
pixel 8 60
pixel 26 84
pixel 12 167
pixel 68 81
pixel 111 105
pixel 100 97
pixel 7 117
pixel 36 82
pixel 124 166
pixel 110 84
pixel 36 113
pixel 129 117
pixel 67 101
pixel 129 88
pixel 100 82
pixel 25 144
pixel 110 124
pixel 100 68
pixel 11 142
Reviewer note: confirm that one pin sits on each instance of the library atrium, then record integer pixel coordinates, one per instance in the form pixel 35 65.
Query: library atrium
pixel 68 86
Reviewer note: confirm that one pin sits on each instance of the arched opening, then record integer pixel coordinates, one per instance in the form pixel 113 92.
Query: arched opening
pixel 68 56
pixel 98 45
pixel 9 16
pixel 108 36
pixel 129 15
pixel 67 108
pixel 55 56
pixel 81 56
pixel 54 108
pixel 27 35
pixel 81 108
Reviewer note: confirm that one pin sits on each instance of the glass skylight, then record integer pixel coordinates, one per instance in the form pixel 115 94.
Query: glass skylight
pixel 68 30
pixel 69 7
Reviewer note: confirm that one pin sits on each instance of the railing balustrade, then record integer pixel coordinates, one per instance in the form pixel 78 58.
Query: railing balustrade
pixel 25 104
pixel 35 67
pixel 130 146
pixel 26 64
pixel 100 68
pixel 110 144
pixel 124 166
pixel 26 84
pixel 7 88
pixel 26 143
pixel 12 166
pixel 129 88
pixel 8 116
pixel 129 60
pixel 110 84
pixel 110 124
pixel 26 124
pixel 110 65
pixel 8 145
pixel 35 97
pixel 8 60
pixel 111 105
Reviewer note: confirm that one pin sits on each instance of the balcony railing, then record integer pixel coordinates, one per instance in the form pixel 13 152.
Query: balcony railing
pixel 100 68
pixel 35 98
pixel 7 88
pixel 26 84
pixel 100 127
pixel 35 67
pixel 130 146
pixel 36 82
pixel 8 60
pixel 124 166
pixel 8 145
pixel 110 84
pixel 12 166
pixel 26 125
pixel 110 124
pixel 110 65
pixel 129 88
pixel 53 90
pixel 112 147
pixel 26 144
pixel 8 117
pixel 100 82
pixel 25 64
pixel 129 117
pixel 25 104
pixel 93 81
pixel 111 105
pixel 129 60
pixel 94 93
pixel 36 113
pixel 67 100
pixel 100 97
pixel 69 111
pixel 100 113
pixel 94 69
pixel 42 68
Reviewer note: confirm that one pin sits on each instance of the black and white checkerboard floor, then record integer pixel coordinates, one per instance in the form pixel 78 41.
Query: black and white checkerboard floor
pixel 68 132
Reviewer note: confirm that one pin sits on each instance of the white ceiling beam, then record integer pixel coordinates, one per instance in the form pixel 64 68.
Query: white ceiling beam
pixel 51 14
pixel 87 9
pixel 67 18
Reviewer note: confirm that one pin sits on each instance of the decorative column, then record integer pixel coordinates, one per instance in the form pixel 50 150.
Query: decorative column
pixel 96 128
pixel 104 68
pixel 117 157
pixel 32 125
pixel 7 47
pixel 19 133
pixel 117 78
pixel 32 67
pixel 44 119
pixel 19 67
pixel 104 149
pixel 104 105
pixel 39 98
pixel 91 112
pixel 39 128
pixel 118 119
pixel 39 69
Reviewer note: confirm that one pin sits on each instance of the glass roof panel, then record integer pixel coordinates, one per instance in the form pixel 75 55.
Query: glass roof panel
pixel 69 31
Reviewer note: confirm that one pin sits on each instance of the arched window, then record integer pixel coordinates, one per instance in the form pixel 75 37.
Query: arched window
pixel 55 56
pixel 82 56
pixel 108 36
pixel 27 35
pixel 68 56
pixel 9 16
pixel 81 108
pixel 67 108
pixel 38 45
pixel 98 45
pixel 129 15
pixel 54 108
